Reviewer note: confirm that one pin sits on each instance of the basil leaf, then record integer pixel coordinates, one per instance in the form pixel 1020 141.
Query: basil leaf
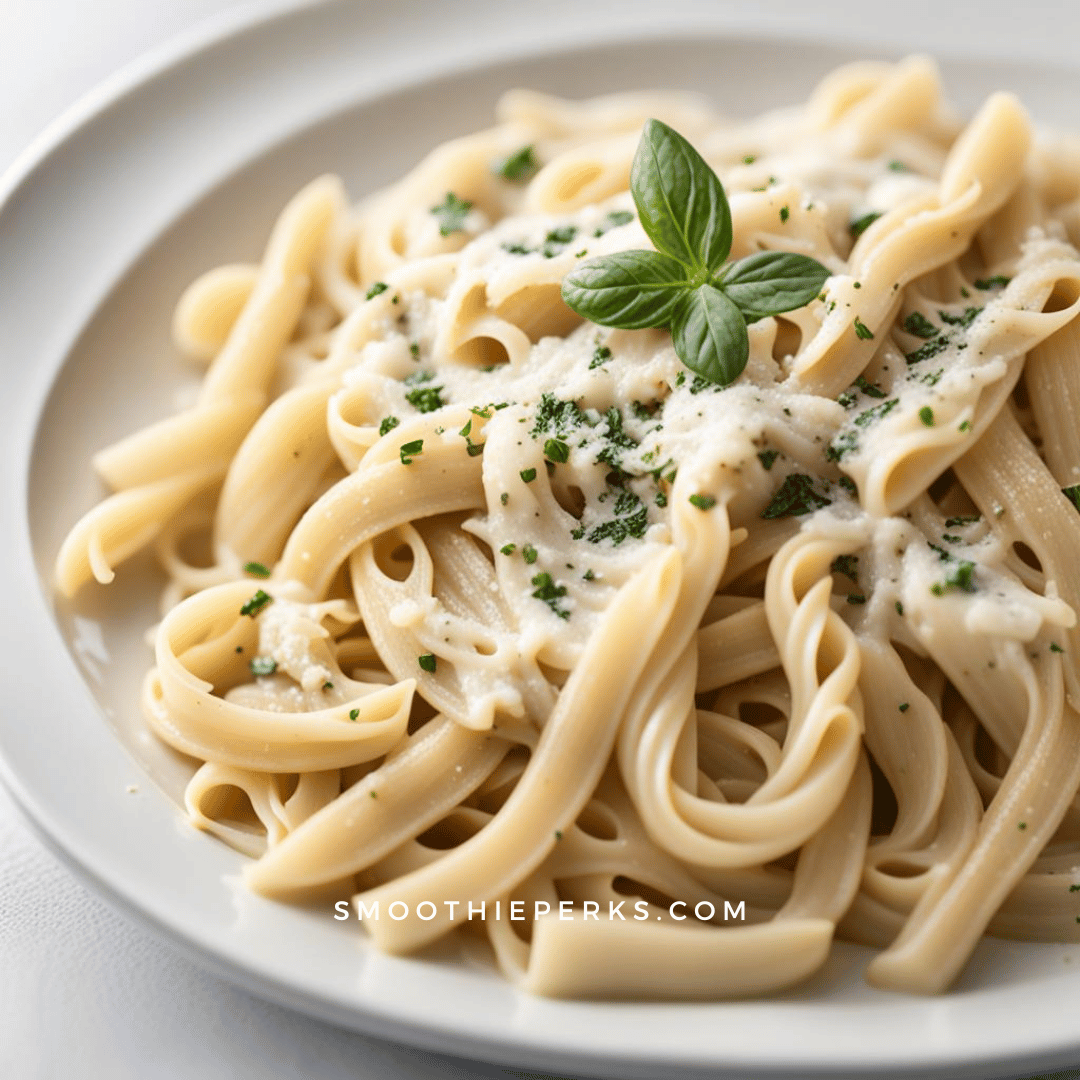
pixel 771 282
pixel 680 200
pixel 628 289
pixel 710 337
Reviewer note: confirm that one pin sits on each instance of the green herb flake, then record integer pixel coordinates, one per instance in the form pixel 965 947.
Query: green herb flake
pixel 504 498
pixel 557 239
pixel 519 166
pixel 962 577
pixel 785 213
pixel 995 282
pixel 702 502
pixel 904 706
pixel 963 320
pixel 926 415
pixel 862 331
pixel 768 458
pixel 1072 494
pixel 872 416
pixel 557 451
pixel 451 214
pixel 256 569
pixel 414 349
pixel 848 565
pixel 376 288
pixel 1055 647
pixel 256 603
pixel 263 665
pixel 427 662
pixel 869 388
pixel 544 588
pixel 749 159
pixel 354 714
pixel 529 554
pixel 795 496
pixel 527 475
pixel 508 549
pixel 410 450
pixel 425 399
pixel 856 598
pixel 897 166
pixel 600 354
pixel 861 224
pixel 960 522
pixel 964 426
pixel 327 685
pixel 918 325
pixel 473 449
pixel 613 221
pixel 925 352
pixel 1021 825
pixel 899 608
pixel 388 424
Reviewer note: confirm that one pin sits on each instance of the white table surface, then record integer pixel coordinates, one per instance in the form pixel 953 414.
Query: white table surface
pixel 83 992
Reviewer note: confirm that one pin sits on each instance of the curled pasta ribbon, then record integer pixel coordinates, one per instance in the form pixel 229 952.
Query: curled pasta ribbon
pixel 418 785
pixel 562 773
pixel 232 397
pixel 983 169
pixel 387 492
pixel 197 652
pixel 253 811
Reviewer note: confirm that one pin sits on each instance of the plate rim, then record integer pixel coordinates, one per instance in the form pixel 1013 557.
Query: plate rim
pixel 93 107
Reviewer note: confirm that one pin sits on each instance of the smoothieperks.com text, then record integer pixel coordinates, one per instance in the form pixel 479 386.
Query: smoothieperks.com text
pixel 514 910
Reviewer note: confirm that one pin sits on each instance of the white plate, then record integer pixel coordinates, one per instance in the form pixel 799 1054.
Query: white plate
pixel 181 166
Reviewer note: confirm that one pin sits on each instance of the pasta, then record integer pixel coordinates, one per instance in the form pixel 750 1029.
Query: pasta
pixel 502 611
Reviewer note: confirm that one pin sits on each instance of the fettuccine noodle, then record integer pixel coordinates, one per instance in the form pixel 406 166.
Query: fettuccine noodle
pixel 507 608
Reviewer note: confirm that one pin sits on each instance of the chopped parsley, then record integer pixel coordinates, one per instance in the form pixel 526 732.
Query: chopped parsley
pixel 410 450
pixel 451 214
pixel 1055 647
pixel 767 458
pixel 926 415
pixel 600 354
pixel 425 399
pixel 795 496
pixel 861 224
pixel 354 714
pixel 960 522
pixel 856 598
pixel 544 588
pixel 256 603
pixel 518 166
pixel 863 331
pixel 995 282
pixel 873 415
pixel 508 549
pixel 925 352
pixel 614 220
pixel 556 240
pixel 785 213
pixel 256 569
pixel 414 349
pixel 1072 494
pixel 702 502
pixel 557 451
pixel 904 706
pixel 869 388
pixel 263 665
pixel 328 685
pixel 919 325
pixel 899 608
pixel 527 475
pixel 388 424
pixel 529 553
pixel 848 565
pixel 898 166
pixel 964 320
pixel 426 661
pixel 376 288
pixel 961 578
pixel 631 520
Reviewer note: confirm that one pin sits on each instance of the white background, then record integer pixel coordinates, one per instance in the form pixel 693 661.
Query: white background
pixel 82 992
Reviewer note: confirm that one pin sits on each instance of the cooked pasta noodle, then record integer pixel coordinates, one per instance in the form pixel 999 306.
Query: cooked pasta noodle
pixel 508 609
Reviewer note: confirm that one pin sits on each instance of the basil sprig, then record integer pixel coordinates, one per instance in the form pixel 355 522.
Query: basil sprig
pixel 684 284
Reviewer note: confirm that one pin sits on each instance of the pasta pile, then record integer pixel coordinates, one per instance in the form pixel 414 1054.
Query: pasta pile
pixel 473 602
